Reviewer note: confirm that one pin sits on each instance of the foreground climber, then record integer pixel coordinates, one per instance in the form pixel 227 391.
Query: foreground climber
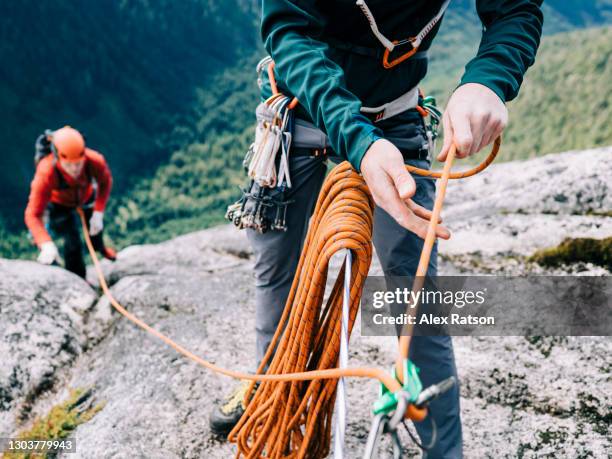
pixel 68 175
pixel 361 102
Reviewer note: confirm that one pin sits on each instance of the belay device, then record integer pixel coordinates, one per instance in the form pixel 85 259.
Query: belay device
pixel 263 205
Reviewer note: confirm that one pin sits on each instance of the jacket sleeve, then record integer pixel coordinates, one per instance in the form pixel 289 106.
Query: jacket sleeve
pixel 40 195
pixel 511 36
pixel 290 30
pixel 104 178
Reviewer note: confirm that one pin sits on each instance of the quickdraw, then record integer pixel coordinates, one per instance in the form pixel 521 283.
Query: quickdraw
pixel 428 107
pixel 260 208
pixel 263 205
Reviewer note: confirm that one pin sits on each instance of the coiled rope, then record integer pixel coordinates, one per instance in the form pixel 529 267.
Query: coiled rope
pixel 284 418
pixel 290 414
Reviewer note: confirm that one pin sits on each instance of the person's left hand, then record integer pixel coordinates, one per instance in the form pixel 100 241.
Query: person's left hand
pixel 96 223
pixel 475 116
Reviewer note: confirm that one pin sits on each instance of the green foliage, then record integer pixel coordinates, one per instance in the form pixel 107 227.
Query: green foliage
pixel 461 29
pixel 60 422
pixel 585 250
pixel 125 73
pixel 15 244
pixel 564 15
pixel 185 94
pixel 565 102
pixel 201 179
pixel 566 99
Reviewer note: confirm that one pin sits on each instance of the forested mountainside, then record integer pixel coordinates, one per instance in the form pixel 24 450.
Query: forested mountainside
pixel 166 90
pixel 123 72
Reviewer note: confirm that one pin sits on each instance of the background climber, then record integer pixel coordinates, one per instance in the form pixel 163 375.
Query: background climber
pixel 355 67
pixel 68 175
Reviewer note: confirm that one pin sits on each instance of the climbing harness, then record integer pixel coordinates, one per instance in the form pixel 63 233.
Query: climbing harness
pixel 265 200
pixel 404 102
pixel 389 45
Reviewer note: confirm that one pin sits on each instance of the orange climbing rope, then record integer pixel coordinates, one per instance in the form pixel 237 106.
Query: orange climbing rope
pixel 374 373
pixel 290 414
pixel 296 416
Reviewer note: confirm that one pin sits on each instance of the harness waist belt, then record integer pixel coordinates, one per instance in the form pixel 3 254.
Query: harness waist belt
pixel 404 102
pixel 407 154
pixel 308 140
pixel 307 135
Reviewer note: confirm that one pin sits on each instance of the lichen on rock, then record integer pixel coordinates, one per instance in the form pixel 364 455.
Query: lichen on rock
pixel 576 250
pixel 61 421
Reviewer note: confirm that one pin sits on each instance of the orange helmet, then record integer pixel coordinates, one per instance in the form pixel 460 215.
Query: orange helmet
pixel 69 144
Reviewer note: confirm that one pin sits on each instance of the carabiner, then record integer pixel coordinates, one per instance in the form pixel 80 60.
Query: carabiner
pixel 403 57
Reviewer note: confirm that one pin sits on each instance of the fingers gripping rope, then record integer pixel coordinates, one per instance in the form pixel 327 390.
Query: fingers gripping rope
pixel 464 174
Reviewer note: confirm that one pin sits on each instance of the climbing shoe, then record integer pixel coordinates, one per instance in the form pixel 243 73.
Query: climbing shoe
pixel 109 254
pixel 226 415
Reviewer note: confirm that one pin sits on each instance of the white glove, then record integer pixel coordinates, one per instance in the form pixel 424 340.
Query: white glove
pixel 48 253
pixel 96 223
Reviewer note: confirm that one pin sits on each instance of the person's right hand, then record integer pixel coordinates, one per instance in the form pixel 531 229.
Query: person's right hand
pixel 48 253
pixel 392 187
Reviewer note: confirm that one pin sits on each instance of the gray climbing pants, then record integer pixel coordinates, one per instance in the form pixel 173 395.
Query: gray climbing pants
pixel 276 258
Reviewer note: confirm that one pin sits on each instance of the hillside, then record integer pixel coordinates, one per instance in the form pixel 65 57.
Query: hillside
pixel 458 38
pixel 125 73
pixel 174 121
pixel 566 102
pixel 521 396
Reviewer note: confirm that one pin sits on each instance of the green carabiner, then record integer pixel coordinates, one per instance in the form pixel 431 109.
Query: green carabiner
pixel 387 401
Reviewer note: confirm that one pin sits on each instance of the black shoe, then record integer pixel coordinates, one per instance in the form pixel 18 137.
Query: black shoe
pixel 226 415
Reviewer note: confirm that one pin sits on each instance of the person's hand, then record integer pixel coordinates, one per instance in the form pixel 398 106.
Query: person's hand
pixel 474 117
pixel 48 253
pixel 392 187
pixel 96 223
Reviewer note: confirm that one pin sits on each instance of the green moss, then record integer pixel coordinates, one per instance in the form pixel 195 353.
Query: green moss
pixel 586 250
pixel 600 213
pixel 589 409
pixel 550 436
pixel 60 422
pixel 545 344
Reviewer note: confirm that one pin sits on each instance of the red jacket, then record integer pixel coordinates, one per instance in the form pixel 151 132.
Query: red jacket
pixel 47 186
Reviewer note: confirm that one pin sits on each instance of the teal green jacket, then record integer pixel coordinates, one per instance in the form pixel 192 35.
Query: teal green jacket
pixel 308 41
